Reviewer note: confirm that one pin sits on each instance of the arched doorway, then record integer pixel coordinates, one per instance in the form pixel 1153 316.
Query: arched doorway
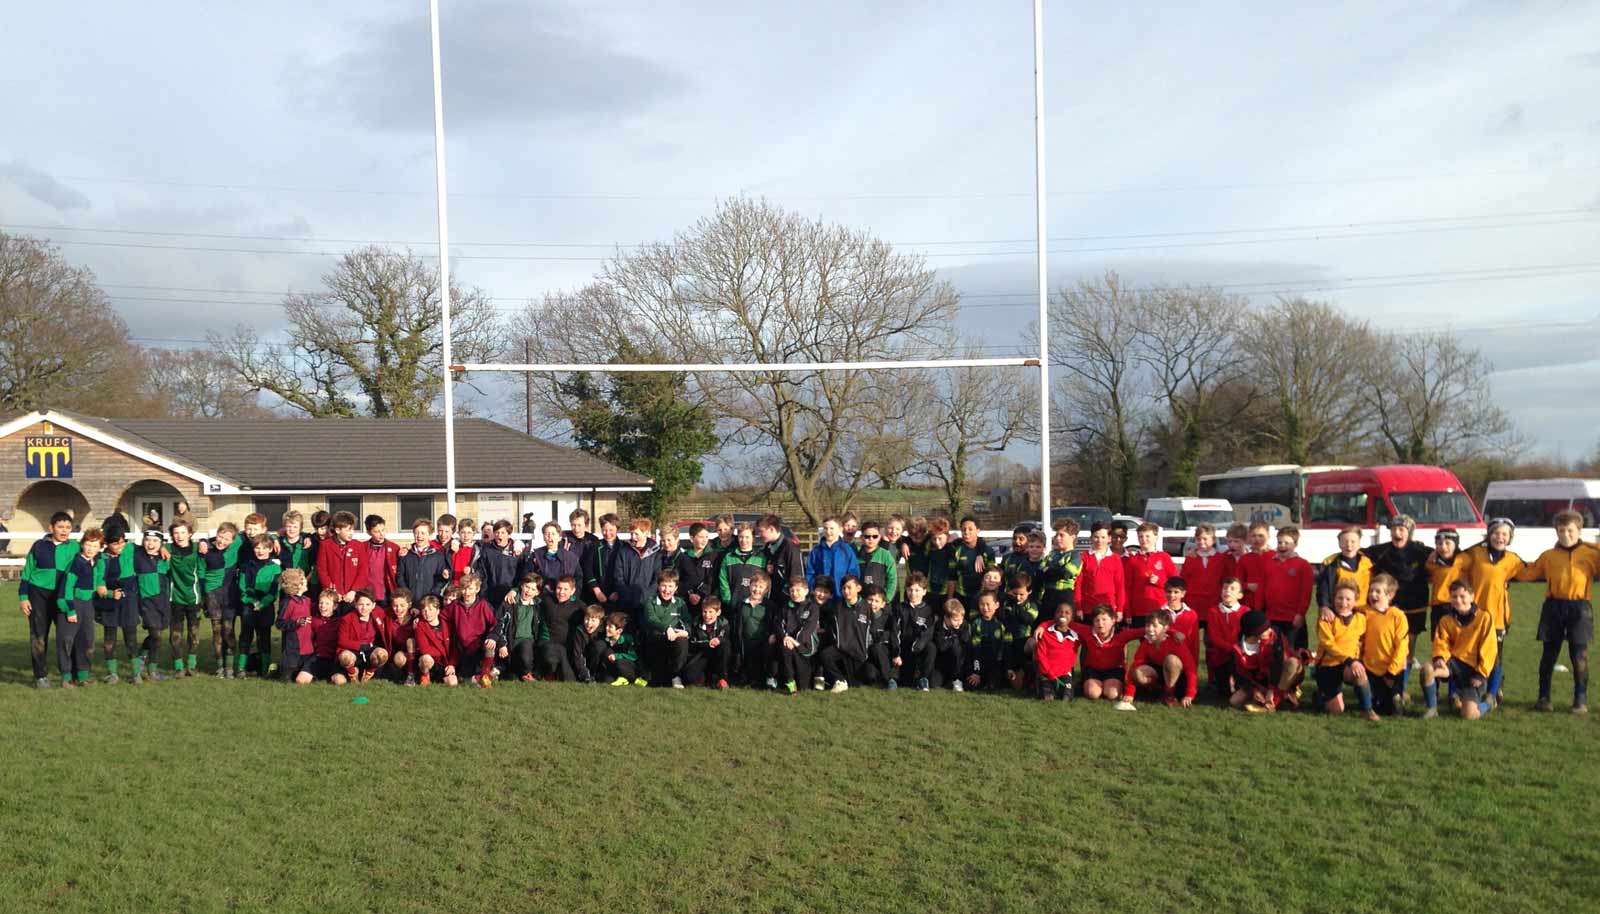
pixel 149 503
pixel 45 498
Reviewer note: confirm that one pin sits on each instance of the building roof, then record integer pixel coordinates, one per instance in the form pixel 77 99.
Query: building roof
pixel 366 454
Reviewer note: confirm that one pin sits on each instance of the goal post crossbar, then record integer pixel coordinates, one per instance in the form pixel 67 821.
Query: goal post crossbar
pixel 635 368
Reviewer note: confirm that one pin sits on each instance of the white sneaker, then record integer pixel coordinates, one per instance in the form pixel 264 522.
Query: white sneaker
pixel 677 682
pixel 772 683
pixel 1125 705
pixel 957 686
pixel 840 686
pixel 819 683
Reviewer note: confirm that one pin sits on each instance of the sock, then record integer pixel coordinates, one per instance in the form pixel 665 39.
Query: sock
pixel 488 664
pixel 177 663
pixel 1405 679
pixel 240 660
pixel 138 667
pixel 1580 675
pixel 111 665
pixel 1430 693
pixel 266 662
pixel 83 675
pixel 1495 676
pixel 1484 707
pixel 192 664
pixel 1365 691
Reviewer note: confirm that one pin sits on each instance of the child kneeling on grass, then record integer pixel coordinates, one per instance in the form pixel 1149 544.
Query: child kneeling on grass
pixel 472 623
pixel 435 648
pixel 1056 653
pixel 360 633
pixel 710 652
pixel 322 662
pixel 614 657
pixel 399 636
pixel 1161 659
pixel 952 645
pixel 1105 652
pixel 1266 669
pixel 1385 645
pixel 1464 653
pixel 1339 653
pixel 517 630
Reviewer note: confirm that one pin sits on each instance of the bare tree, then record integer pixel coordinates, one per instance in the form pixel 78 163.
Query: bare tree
pixel 1094 331
pixel 200 384
pixel 1430 400
pixel 970 413
pixel 371 344
pixel 1188 345
pixel 61 342
pixel 1310 361
pixel 753 283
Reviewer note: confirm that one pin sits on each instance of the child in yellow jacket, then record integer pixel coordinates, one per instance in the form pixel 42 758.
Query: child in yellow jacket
pixel 1385 645
pixel 1464 653
pixel 1567 570
pixel 1491 567
pixel 1339 653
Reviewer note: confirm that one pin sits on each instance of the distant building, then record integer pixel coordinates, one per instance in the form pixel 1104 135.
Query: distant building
pixel 223 469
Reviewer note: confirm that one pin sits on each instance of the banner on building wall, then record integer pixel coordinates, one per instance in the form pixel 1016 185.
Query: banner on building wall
pixel 47 456
pixel 495 506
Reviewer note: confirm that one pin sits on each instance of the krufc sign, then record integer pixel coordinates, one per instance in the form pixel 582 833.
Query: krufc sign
pixel 47 456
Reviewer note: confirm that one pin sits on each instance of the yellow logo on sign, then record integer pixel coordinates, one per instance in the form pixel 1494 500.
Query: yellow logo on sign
pixel 47 456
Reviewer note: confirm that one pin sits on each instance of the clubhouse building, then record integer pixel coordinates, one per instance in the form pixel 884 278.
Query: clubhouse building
pixel 224 469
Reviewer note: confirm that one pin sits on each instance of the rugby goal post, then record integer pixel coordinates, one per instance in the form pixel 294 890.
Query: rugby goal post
pixel 1042 362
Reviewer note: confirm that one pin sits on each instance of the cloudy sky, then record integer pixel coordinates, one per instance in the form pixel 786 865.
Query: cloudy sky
pixel 1423 165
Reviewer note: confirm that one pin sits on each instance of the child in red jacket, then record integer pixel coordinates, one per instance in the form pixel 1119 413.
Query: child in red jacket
pixel 1205 566
pixel 1102 579
pixel 294 620
pixel 1055 654
pixel 324 642
pixel 472 621
pixel 1286 589
pixel 1222 632
pixel 1185 624
pixel 435 650
pixel 1251 569
pixel 1160 659
pixel 360 635
pixel 1266 670
pixel 399 635
pixel 1147 573
pixel 339 561
pixel 1105 653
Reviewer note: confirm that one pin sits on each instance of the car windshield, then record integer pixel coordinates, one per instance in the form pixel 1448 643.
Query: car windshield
pixel 1198 516
pixel 1434 507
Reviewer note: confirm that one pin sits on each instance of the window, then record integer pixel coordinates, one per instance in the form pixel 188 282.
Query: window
pixel 1435 507
pixel 273 509
pixel 1166 520
pixel 1337 508
pixel 337 503
pixel 1528 512
pixel 1589 510
pixel 414 508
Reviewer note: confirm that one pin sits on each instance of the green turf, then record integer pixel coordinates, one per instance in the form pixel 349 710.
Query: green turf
pixel 202 795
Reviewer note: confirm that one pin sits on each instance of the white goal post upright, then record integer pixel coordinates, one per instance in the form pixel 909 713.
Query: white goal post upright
pixel 1043 278
pixel 444 264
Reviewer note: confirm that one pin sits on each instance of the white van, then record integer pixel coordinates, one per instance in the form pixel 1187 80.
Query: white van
pixel 1178 517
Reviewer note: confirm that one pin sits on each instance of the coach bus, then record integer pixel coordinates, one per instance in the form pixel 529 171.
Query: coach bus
pixel 1536 502
pixel 1274 493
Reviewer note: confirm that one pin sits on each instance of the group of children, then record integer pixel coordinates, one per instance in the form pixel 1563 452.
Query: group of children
pixel 904 604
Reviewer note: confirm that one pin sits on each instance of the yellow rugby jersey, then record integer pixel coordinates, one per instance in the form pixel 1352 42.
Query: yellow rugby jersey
pixel 1340 640
pixel 1489 579
pixel 1442 574
pixel 1472 642
pixel 1386 644
pixel 1567 573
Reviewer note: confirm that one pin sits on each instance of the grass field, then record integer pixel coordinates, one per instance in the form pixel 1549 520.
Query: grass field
pixel 204 795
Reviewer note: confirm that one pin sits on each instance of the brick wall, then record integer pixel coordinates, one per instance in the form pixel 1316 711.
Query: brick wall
pixel 102 475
